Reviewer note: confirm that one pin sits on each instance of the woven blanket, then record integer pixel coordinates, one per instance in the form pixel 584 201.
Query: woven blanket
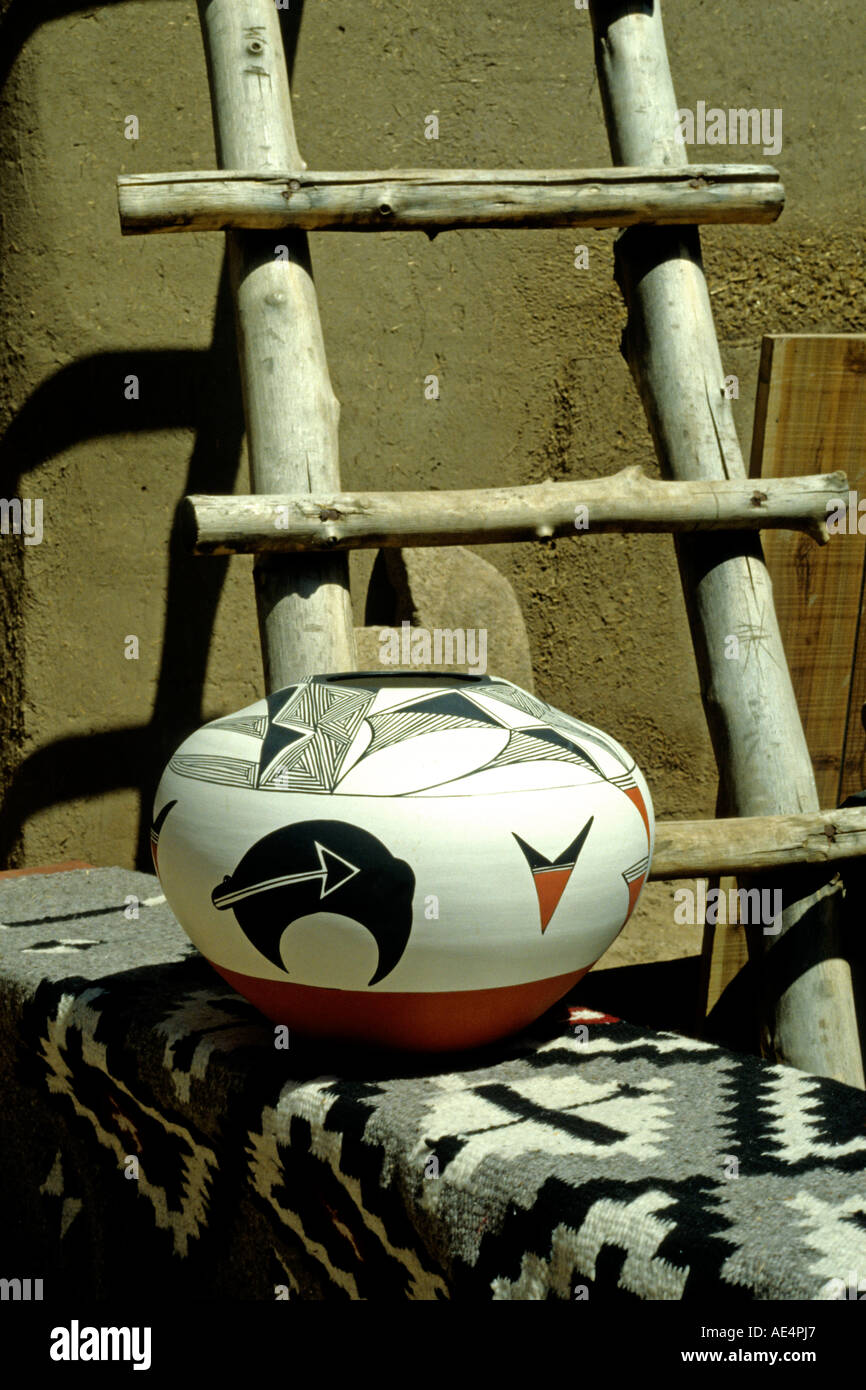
pixel 149 1108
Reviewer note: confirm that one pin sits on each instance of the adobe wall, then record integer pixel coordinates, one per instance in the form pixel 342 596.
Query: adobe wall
pixel 525 346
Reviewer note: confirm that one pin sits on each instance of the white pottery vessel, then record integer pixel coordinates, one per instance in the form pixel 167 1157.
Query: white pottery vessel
pixel 413 860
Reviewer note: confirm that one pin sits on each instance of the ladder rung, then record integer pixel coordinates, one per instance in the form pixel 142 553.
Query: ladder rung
pixel 435 200
pixel 751 844
pixel 627 501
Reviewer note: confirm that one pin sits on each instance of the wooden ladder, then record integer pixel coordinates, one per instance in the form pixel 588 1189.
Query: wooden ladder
pixel 300 525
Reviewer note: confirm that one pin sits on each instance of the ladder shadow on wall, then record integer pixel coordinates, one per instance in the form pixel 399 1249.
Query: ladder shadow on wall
pixel 196 390
pixel 199 391
pixel 24 17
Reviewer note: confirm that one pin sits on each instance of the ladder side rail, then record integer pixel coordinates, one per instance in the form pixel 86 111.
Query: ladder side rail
pixel 292 414
pixel 670 343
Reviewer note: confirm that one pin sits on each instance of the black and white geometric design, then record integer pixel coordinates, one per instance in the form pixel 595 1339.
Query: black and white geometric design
pixel 229 772
pixel 636 870
pixel 254 724
pixel 174 1166
pixel 541 745
pixel 344 712
pixel 281 741
pixel 586 734
pixel 597 1156
pixel 517 699
pixel 626 781
pixel 311 766
pixel 315 733
pixel 337 709
pixel 396 726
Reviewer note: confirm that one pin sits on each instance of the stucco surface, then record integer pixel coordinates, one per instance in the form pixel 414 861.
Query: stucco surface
pixel 525 346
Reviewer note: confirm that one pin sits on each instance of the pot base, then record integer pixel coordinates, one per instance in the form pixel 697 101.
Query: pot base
pixel 442 1022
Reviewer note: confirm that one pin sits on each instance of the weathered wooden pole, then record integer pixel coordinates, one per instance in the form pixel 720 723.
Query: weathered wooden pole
pixel 437 199
pixel 764 763
pixel 292 414
pixel 757 844
pixel 628 501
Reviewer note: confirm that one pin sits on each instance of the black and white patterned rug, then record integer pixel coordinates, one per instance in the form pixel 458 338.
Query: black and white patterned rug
pixel 148 1107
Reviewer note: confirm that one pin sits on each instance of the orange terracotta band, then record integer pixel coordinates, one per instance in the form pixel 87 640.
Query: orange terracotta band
pixel 438 1022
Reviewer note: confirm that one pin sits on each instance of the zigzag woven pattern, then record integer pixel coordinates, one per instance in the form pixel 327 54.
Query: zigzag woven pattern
pixel 587 1158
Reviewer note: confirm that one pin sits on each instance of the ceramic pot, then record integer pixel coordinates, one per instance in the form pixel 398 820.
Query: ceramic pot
pixel 409 860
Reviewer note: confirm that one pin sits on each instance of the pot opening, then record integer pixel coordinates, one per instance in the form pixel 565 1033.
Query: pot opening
pixel 403 675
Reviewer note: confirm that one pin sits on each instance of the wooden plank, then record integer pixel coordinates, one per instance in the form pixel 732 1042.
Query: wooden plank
pixel 426 199
pixel 725 949
pixel 292 414
pixel 810 413
pixel 723 954
pixel 746 845
pixel 764 764
pixel 854 755
pixel 628 501
pixel 729 1005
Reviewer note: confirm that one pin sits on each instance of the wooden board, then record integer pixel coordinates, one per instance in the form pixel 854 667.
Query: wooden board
pixel 724 951
pixel 810 417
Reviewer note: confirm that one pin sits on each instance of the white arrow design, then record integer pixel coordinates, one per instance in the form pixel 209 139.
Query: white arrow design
pixel 332 876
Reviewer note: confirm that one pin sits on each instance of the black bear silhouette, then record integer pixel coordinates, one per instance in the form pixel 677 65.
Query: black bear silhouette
pixel 327 866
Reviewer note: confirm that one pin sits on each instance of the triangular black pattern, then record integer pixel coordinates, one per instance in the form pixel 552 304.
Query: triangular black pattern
pixel 298 779
pixel 345 713
pixel 279 701
pixel 308 704
pixel 525 746
pixel 330 752
pixel 452 704
pixel 277 748
pixel 230 772
pixel 395 726
pixel 575 728
pixel 312 767
pixel 568 744
pixel 253 724
pixel 271 775
pixel 517 699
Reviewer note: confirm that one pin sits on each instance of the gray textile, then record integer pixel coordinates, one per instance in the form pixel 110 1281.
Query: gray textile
pixel 613 1162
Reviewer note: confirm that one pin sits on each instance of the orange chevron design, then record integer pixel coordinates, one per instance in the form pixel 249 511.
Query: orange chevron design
pixel 634 796
pixel 551 876
pixel 550 886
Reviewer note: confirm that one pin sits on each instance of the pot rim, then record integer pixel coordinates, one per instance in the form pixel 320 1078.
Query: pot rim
pixel 402 672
